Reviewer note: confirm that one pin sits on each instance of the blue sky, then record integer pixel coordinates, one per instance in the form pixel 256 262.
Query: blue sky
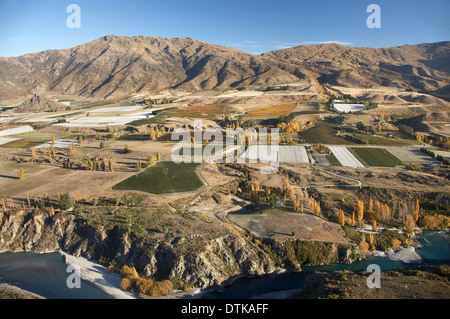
pixel 28 26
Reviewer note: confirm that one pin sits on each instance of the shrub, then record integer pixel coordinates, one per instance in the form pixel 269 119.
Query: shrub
pixel 143 285
pixel 126 284
pixel 125 271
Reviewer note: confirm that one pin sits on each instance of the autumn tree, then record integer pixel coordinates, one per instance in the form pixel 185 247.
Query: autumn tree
pixel 374 225
pixel 359 212
pixel 21 173
pixel 126 284
pixel 317 209
pixel 71 153
pixel 33 152
pixel 371 241
pixel 111 165
pixel 416 211
pixel 53 139
pixel 363 245
pixel 396 243
pixel 80 140
pixel 158 156
pixel 409 224
pixel 152 134
pixel 341 218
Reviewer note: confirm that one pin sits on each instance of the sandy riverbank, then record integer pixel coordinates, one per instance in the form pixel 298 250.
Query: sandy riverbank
pixel 98 275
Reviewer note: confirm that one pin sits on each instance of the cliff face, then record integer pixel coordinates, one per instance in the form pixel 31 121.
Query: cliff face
pixel 222 258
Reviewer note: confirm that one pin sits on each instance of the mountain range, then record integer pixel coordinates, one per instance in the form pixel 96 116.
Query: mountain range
pixel 117 65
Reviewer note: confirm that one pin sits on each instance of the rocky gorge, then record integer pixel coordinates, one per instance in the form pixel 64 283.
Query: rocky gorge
pixel 213 263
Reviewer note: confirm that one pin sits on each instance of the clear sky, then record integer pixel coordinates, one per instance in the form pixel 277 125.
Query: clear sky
pixel 254 26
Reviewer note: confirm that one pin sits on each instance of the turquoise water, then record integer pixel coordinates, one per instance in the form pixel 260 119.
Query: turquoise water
pixel 45 275
pixel 435 251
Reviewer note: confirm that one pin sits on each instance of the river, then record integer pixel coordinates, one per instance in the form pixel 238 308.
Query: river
pixel 45 274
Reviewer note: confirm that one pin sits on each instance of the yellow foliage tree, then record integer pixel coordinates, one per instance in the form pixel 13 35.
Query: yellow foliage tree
pixel 126 284
pixel 341 218
pixel 21 173
pixel 359 211
pixel 374 225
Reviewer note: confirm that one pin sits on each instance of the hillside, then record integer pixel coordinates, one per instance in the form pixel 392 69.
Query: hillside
pixel 117 65
pixel 423 68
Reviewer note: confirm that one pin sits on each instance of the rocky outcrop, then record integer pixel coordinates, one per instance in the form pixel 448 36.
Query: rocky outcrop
pixel 219 260
pixel 38 104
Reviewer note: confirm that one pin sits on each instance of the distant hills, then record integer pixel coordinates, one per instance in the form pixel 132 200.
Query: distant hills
pixel 116 65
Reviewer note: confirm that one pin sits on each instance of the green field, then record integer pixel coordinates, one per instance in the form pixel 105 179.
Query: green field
pixel 135 137
pixel 324 133
pixel 333 160
pixel 25 143
pixel 374 157
pixel 376 140
pixel 164 178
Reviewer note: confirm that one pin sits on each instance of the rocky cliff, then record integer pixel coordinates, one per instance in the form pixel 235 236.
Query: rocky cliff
pixel 219 260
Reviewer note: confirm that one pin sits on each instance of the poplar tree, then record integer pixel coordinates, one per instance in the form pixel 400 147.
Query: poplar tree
pixel 21 173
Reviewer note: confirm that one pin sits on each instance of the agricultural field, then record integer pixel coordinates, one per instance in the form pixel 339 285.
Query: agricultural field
pixel 409 155
pixel 272 111
pixel 16 130
pixel 164 178
pixel 381 141
pixel 200 111
pixel 24 143
pixel 375 157
pixel 345 157
pixel 324 133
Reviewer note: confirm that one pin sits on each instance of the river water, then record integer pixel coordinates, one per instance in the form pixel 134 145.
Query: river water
pixel 45 274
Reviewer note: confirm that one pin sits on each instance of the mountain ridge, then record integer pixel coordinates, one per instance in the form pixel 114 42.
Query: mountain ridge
pixel 120 65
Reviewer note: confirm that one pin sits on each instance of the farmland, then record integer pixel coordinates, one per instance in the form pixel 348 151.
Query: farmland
pixel 324 133
pixel 272 111
pixel 345 157
pixel 163 178
pixel 200 111
pixel 375 157
pixel 377 140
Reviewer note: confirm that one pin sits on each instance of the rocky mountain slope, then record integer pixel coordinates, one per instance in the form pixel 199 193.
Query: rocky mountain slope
pixel 117 65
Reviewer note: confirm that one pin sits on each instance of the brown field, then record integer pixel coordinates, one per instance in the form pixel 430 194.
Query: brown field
pixel 273 110
pixel 278 224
